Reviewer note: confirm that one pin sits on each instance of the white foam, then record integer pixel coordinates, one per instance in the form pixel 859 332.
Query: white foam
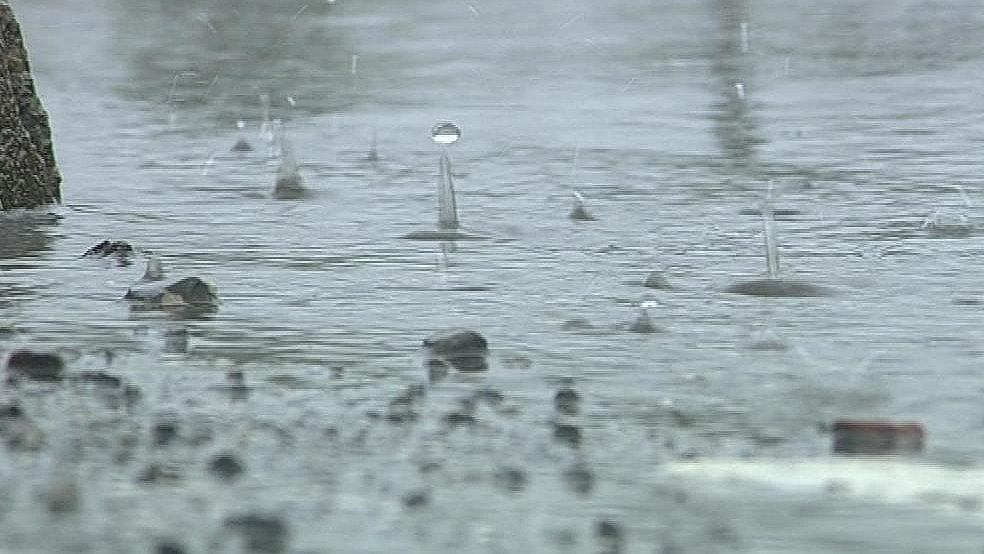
pixel 890 480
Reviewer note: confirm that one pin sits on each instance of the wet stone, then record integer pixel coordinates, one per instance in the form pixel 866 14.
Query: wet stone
pixel 169 547
pixel 567 433
pixel 131 394
pixel 62 496
pixel 512 479
pixel 490 397
pixel 567 401
pixel 579 478
pixel 260 533
pixel 416 499
pixel 164 432
pixel 459 419
pixel 157 474
pixel 610 537
pixel 226 466
pixel 37 366
pixel 462 349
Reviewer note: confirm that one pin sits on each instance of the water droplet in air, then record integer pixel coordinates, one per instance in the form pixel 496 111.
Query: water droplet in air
pixel 240 124
pixel 445 133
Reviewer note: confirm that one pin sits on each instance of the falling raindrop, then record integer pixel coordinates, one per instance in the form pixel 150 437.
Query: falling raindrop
pixel 445 133
pixel 769 232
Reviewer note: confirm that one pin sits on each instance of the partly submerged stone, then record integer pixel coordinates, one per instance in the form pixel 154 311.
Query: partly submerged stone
pixel 777 288
pixel 289 184
pixel 579 212
pixel 461 349
pixel 189 292
pixel 37 366
pixel 656 280
pixel 260 532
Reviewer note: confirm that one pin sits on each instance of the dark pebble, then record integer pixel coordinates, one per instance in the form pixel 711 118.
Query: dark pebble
pixel 567 401
pixel 235 377
pixel 512 479
pixel 579 478
pixel 490 397
pixel 155 474
pixel 10 410
pixel 416 499
pixel 610 536
pixel 169 547
pixel 225 466
pixel 567 433
pixel 39 366
pixel 164 432
pixel 101 379
pixel 260 533
pixel 131 393
pixel 459 419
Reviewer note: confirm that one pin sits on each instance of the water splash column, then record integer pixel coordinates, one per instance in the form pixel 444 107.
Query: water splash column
pixel 446 134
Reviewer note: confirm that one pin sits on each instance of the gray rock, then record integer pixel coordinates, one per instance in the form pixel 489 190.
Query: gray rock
pixel 787 288
pixel 28 174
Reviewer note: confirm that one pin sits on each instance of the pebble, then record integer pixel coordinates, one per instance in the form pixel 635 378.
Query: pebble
pixel 610 536
pixel 567 401
pixel 579 478
pixel 513 479
pixel 416 499
pixel 164 431
pixel 567 433
pixel 226 466
pixel 261 533
pixel 169 547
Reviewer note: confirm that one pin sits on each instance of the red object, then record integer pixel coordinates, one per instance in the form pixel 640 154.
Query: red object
pixel 877 437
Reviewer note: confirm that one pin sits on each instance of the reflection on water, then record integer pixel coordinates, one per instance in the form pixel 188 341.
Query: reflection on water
pixel 734 122
pixel 214 58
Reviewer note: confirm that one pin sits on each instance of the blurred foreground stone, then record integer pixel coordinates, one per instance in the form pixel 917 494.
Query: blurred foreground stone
pixel 28 175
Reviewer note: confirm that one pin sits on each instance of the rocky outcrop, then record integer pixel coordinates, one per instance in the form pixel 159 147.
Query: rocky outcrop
pixel 28 175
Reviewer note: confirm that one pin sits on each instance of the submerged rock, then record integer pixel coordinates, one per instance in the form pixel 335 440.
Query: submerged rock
pixel 37 366
pixel 643 324
pixel 242 145
pixel 656 280
pixel 461 349
pixel 778 288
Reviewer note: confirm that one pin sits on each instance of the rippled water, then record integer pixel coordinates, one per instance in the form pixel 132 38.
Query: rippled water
pixel 866 116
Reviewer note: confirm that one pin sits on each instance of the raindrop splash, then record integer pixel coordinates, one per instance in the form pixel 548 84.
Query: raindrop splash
pixel 769 233
pixel 446 134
